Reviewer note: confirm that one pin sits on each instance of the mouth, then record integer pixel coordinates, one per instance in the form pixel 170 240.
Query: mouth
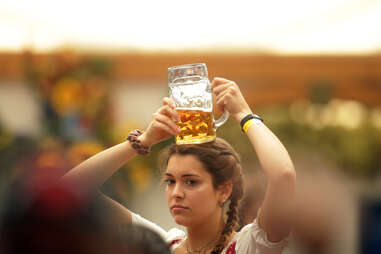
pixel 178 208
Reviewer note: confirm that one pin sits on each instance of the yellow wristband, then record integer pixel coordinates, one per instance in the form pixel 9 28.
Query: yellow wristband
pixel 247 125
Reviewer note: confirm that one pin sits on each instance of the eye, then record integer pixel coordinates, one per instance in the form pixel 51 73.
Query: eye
pixel 190 182
pixel 169 181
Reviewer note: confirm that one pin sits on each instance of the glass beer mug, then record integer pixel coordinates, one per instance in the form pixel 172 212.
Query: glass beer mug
pixel 189 88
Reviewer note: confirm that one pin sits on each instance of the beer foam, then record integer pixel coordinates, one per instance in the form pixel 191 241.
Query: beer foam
pixel 207 110
pixel 193 95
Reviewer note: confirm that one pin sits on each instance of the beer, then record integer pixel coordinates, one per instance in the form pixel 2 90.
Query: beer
pixel 189 88
pixel 196 127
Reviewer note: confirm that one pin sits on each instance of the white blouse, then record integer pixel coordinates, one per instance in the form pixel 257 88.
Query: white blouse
pixel 250 239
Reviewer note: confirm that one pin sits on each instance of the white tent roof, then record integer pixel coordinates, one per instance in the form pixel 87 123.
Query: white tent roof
pixel 290 27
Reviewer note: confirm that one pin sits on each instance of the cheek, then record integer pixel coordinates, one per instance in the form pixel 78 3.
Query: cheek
pixel 202 198
pixel 167 194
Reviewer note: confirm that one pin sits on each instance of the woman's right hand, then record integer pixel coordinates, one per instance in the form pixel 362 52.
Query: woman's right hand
pixel 163 124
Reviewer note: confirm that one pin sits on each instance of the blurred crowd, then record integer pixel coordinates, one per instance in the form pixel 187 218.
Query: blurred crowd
pixel 41 216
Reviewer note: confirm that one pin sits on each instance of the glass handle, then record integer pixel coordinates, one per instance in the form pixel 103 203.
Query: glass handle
pixel 222 119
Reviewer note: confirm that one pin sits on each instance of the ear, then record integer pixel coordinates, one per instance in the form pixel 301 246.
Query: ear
pixel 224 190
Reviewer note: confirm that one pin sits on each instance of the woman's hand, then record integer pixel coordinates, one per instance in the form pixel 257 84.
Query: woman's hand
pixel 163 124
pixel 230 98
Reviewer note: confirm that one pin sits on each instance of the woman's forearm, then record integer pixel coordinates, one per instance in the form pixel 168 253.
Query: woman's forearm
pixel 92 173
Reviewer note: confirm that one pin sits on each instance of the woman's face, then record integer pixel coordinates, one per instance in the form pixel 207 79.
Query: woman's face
pixel 191 196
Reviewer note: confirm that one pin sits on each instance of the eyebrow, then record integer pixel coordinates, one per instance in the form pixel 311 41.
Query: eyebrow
pixel 185 175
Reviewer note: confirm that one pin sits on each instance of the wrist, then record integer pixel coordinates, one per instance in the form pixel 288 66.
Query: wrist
pixel 249 120
pixel 239 116
pixel 144 140
pixel 136 143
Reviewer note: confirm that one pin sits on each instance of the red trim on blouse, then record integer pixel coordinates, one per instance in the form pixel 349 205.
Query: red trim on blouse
pixel 231 249
pixel 174 242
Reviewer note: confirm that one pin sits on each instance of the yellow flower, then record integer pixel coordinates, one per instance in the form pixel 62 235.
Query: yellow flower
pixel 82 151
pixel 67 96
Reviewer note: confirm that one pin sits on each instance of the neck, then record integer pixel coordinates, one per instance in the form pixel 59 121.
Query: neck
pixel 206 233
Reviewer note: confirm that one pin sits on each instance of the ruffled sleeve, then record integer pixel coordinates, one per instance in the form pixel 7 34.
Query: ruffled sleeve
pixel 252 239
pixel 174 238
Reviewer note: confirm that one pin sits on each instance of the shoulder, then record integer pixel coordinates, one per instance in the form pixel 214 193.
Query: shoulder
pixel 252 238
pixel 175 238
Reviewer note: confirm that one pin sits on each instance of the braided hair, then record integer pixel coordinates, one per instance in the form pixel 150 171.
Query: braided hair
pixel 223 164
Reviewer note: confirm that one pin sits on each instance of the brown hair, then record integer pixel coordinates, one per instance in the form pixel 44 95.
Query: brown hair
pixel 223 164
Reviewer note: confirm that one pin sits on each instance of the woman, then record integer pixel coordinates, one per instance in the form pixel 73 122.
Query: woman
pixel 201 179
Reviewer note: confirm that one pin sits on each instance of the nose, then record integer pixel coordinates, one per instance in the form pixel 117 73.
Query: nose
pixel 178 192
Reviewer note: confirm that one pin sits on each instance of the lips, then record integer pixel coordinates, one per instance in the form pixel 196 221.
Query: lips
pixel 178 208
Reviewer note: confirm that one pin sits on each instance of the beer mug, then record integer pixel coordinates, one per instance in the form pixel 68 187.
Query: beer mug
pixel 189 88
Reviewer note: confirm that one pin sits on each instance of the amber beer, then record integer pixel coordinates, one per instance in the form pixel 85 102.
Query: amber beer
pixel 189 88
pixel 196 127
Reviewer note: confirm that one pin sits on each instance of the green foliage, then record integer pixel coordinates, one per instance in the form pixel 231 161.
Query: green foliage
pixel 356 151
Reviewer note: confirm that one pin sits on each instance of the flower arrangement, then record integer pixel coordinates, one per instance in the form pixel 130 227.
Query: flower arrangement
pixel 74 93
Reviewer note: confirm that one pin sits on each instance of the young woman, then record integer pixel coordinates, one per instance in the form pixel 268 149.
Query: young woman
pixel 204 180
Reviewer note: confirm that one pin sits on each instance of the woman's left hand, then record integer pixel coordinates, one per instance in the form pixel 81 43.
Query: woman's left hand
pixel 163 124
pixel 229 97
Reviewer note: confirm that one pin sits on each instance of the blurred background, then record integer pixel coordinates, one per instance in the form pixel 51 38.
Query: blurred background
pixel 77 76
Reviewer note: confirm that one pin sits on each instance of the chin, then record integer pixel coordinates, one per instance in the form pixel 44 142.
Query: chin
pixel 181 220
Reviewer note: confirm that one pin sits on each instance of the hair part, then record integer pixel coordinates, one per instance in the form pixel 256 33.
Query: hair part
pixel 224 164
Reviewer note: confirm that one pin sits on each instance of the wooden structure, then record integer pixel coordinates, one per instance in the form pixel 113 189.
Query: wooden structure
pixel 265 78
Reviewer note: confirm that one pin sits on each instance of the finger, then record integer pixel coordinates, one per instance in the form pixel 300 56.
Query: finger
pixel 226 95
pixel 219 81
pixel 163 119
pixel 222 99
pixel 220 104
pixel 222 95
pixel 219 89
pixel 165 128
pixel 228 90
pixel 170 112
pixel 168 101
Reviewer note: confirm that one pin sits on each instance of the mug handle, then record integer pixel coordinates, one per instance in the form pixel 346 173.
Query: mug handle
pixel 222 119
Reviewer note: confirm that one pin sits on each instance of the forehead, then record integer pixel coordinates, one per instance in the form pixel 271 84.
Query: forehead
pixel 185 164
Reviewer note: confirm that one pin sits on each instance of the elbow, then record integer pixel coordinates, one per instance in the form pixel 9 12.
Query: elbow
pixel 289 176
pixel 289 172
pixel 286 175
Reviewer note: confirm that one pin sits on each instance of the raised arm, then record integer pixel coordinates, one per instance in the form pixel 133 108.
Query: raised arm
pixel 274 215
pixel 88 176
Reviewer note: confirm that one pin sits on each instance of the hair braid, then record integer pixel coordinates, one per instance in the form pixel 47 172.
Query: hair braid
pixel 232 218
